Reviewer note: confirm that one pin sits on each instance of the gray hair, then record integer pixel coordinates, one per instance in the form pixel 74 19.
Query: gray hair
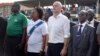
pixel 83 11
pixel 91 10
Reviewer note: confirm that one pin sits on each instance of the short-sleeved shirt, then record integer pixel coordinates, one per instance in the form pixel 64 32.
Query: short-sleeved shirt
pixel 35 39
pixel 98 29
pixel 58 28
pixel 16 23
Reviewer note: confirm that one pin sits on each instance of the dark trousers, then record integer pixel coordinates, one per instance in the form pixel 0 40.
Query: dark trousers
pixel 32 54
pixel 99 51
pixel 1 46
pixel 54 49
pixel 12 46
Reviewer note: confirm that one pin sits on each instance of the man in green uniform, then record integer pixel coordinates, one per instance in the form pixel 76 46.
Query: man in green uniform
pixel 16 31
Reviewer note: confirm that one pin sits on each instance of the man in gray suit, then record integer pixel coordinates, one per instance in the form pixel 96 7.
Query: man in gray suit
pixel 98 36
pixel 82 38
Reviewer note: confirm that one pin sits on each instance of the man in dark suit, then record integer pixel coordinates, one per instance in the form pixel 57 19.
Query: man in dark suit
pixel 93 23
pixel 3 25
pixel 82 37
pixel 98 36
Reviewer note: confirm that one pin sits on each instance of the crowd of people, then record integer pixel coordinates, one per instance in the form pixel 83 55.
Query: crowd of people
pixel 49 34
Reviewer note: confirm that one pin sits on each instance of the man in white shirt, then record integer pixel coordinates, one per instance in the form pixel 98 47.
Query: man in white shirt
pixel 94 23
pixel 59 32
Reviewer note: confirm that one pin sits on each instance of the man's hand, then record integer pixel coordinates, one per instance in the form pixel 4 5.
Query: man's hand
pixel 42 53
pixel 63 52
pixel 46 49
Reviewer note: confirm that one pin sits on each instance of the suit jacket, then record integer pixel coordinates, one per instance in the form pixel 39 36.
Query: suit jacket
pixel 95 46
pixel 71 25
pixel 86 45
pixel 96 23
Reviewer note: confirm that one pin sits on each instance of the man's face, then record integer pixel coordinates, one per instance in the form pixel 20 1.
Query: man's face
pixel 56 8
pixel 81 16
pixel 15 9
pixel 90 15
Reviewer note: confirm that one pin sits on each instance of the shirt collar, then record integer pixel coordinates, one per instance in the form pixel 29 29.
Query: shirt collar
pixel 16 13
pixel 38 20
pixel 92 21
pixel 58 15
pixel 83 24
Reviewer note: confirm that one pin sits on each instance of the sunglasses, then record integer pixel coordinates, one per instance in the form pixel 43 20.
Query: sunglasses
pixel 81 14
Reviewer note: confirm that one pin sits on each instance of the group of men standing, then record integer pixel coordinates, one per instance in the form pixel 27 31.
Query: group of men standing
pixel 63 39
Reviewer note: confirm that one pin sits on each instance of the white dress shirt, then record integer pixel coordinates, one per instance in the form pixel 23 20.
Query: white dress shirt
pixel 35 40
pixel 83 26
pixel 92 23
pixel 58 28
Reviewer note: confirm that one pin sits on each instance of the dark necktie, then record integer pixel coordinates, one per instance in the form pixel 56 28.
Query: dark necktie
pixel 78 37
pixel 80 30
pixel 89 22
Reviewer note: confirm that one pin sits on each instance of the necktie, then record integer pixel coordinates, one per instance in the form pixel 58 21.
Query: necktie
pixel 80 30
pixel 89 22
pixel 78 37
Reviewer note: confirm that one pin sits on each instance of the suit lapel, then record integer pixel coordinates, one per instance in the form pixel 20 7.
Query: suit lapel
pixel 83 35
pixel 75 30
pixel 84 30
pixel 96 24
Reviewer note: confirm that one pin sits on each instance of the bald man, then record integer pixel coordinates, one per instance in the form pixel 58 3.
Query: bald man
pixel 59 32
